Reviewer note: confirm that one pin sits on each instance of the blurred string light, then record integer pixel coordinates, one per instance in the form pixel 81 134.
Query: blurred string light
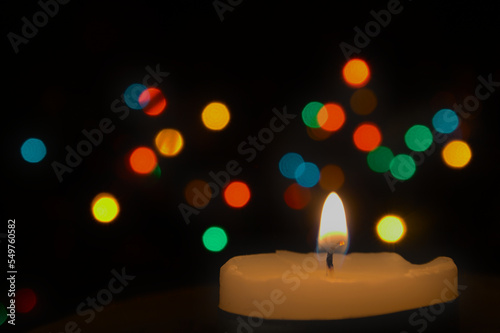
pixel 445 121
pixel 379 159
pixel 3 314
pixel 105 207
pixel 169 142
pixel 143 160
pixel 237 194
pixel 152 101
pixel 157 171
pixel 363 101
pixel 289 163
pixel 198 193
pixel 33 150
pixel 331 117
pixel 214 239
pixel 131 96
pixel 402 167
pixel 391 228
pixel 318 134
pixel 367 137
pixel 296 196
pixel 215 116
pixel 310 114
pixel 456 154
pixel 418 138
pixel 356 73
pixel 25 300
pixel 307 174
pixel 331 177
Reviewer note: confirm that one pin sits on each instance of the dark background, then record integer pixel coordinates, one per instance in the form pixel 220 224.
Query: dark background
pixel 261 56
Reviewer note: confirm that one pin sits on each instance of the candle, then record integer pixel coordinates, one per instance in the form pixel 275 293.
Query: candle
pixel 295 286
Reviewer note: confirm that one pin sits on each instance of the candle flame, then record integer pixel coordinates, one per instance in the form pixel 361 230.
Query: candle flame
pixel 333 227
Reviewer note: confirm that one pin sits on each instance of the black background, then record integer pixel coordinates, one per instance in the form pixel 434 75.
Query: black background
pixel 261 56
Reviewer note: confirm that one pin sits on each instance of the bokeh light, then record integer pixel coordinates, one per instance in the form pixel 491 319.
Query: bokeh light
pixel 131 95
pixel 445 121
pixel 379 159
pixel 363 101
pixel 237 194
pixel 456 154
pixel 356 73
pixel 157 171
pixel 198 193
pixel 215 116
pixel 25 300
pixel 33 150
pixel 391 228
pixel 402 167
pixel 3 314
pixel 169 142
pixel 105 207
pixel 296 196
pixel 307 174
pixel 367 137
pixel 331 177
pixel 289 163
pixel 152 101
pixel 214 239
pixel 418 138
pixel 318 134
pixel 143 160
pixel 310 114
pixel 331 117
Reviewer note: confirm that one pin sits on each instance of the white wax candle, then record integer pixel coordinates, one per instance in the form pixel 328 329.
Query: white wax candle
pixel 288 285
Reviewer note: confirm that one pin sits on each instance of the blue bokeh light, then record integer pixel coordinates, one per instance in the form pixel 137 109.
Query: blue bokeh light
pixel 33 150
pixel 445 121
pixel 289 164
pixel 307 174
pixel 131 96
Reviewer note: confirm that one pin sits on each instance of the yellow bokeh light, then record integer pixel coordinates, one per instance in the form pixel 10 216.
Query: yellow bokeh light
pixel 169 142
pixel 105 207
pixel 215 116
pixel 391 228
pixel 456 154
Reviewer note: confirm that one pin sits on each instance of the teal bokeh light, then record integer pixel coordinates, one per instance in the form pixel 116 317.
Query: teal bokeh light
pixel 33 150
pixel 445 121
pixel 131 96
pixel 289 164
pixel 307 174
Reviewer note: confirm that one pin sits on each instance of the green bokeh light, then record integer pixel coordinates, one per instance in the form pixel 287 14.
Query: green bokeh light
pixel 380 159
pixel 418 138
pixel 214 239
pixel 3 314
pixel 402 167
pixel 310 114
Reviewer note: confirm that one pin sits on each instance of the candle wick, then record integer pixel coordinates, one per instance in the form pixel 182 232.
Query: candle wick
pixel 329 260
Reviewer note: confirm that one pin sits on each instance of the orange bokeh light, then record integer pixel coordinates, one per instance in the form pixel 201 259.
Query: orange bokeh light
pixel 296 196
pixel 356 73
pixel 143 160
pixel 153 101
pixel 237 194
pixel 367 137
pixel 331 117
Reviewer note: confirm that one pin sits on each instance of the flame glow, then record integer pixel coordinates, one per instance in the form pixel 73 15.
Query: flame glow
pixel 333 235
